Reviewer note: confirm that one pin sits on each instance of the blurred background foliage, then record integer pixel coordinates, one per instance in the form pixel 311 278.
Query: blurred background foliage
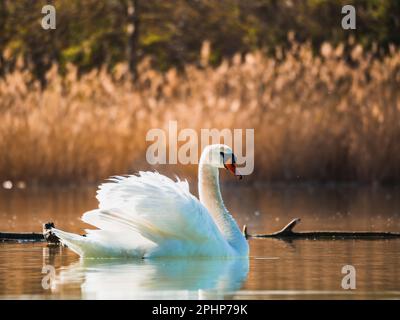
pixel 92 33
pixel 324 102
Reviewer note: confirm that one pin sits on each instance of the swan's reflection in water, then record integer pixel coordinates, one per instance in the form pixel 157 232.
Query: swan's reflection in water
pixel 155 279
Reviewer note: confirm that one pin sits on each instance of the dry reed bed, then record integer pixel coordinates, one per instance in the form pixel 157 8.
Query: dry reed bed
pixel 315 117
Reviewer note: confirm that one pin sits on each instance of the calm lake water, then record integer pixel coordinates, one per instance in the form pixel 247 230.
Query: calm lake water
pixel 276 269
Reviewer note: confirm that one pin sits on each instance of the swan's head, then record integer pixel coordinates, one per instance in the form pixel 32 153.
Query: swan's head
pixel 220 156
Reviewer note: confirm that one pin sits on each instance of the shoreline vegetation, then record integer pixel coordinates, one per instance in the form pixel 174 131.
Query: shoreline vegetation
pixel 325 117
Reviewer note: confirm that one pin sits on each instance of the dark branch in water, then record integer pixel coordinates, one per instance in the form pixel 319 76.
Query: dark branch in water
pixel 288 233
pixel 47 235
pixel 22 236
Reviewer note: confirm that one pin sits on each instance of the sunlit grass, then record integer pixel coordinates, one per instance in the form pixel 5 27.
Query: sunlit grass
pixel 315 117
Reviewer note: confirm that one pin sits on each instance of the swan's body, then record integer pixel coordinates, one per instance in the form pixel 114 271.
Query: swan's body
pixel 150 215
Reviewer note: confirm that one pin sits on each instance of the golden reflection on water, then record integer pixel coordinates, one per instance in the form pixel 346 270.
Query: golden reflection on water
pixel 276 268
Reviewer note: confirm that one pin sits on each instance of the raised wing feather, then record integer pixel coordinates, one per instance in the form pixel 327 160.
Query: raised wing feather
pixel 154 206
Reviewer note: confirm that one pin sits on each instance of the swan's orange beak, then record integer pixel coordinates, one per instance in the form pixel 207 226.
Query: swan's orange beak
pixel 231 167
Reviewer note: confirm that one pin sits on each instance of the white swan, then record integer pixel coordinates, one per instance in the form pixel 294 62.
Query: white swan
pixel 150 215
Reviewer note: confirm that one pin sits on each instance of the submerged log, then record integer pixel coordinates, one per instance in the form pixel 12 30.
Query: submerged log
pixel 285 233
pixel 21 236
pixel 46 235
pixel 288 233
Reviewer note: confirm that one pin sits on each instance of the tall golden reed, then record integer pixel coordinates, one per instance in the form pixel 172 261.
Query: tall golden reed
pixel 315 117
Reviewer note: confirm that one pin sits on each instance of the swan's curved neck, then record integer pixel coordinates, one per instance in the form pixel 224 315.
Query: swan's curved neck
pixel 210 197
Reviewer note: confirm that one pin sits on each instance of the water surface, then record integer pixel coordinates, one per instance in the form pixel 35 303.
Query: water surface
pixel 300 269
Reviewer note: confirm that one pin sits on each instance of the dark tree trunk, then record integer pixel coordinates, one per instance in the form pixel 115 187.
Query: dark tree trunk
pixel 3 17
pixel 133 18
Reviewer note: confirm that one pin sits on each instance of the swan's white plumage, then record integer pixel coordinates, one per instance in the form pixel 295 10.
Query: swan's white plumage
pixel 150 215
pixel 147 215
pixel 156 206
